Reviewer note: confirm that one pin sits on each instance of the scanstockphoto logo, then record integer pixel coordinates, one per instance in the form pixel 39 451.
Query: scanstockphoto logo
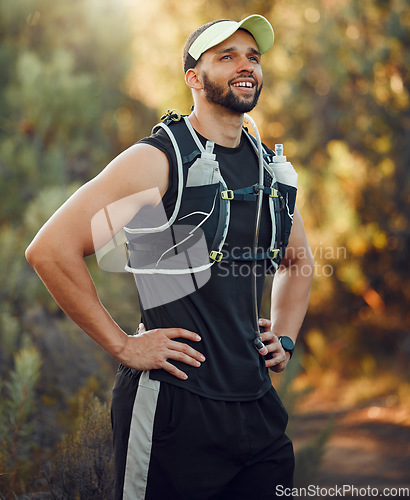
pixel 168 263
pixel 345 490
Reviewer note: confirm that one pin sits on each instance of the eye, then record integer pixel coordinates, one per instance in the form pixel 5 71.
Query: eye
pixel 227 57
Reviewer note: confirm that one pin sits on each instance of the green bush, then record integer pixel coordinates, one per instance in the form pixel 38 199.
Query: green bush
pixel 83 464
pixel 17 410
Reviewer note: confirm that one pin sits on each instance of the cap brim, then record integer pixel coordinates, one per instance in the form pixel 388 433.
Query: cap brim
pixel 257 25
pixel 261 30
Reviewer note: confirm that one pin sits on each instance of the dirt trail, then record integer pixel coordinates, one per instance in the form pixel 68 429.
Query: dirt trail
pixel 368 447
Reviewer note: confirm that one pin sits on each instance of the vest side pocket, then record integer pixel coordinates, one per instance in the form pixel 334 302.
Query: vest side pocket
pixel 200 207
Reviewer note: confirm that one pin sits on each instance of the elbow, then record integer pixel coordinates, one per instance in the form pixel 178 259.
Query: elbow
pixel 33 254
pixel 40 253
pixel 46 256
pixel 30 254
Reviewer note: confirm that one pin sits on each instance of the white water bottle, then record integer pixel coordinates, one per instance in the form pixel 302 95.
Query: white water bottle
pixel 282 169
pixel 205 169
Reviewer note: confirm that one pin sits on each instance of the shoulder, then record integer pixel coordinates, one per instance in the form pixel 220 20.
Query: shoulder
pixel 138 168
pixel 159 138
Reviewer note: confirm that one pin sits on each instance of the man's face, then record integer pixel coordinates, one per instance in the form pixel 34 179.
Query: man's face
pixel 231 73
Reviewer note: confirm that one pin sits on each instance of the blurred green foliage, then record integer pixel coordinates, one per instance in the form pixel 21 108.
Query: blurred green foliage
pixel 82 80
pixel 83 464
pixel 17 409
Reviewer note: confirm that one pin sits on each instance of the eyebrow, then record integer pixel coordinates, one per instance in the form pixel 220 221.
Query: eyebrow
pixel 233 49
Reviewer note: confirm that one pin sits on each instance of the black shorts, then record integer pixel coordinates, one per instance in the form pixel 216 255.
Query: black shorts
pixel 172 444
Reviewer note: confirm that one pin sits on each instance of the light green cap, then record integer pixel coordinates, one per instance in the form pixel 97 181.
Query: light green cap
pixel 258 26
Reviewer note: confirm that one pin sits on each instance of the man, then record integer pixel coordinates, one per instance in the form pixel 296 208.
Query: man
pixel 194 413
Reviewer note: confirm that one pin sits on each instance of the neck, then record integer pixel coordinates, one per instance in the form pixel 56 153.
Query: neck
pixel 218 125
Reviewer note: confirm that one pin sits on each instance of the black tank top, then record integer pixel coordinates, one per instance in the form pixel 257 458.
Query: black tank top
pixel 221 311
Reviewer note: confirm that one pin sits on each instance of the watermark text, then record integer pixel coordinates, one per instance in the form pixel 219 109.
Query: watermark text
pixel 345 490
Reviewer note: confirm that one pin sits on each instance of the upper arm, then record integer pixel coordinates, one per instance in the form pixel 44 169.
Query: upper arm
pixel 102 206
pixel 298 246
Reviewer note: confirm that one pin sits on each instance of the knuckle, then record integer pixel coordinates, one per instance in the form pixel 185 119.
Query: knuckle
pixel 181 357
pixel 162 339
pixel 186 359
pixel 185 348
pixel 158 361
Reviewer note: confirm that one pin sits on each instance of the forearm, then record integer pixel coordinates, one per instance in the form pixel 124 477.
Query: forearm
pixel 70 283
pixel 290 296
pixel 71 286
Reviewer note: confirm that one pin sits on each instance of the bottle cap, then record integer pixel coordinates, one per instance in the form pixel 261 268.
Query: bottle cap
pixel 279 158
pixel 279 149
pixel 207 154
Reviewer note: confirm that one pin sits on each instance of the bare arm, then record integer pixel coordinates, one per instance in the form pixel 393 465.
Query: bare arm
pixel 290 295
pixel 137 177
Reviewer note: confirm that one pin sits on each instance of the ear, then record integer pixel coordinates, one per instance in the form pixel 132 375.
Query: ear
pixel 193 79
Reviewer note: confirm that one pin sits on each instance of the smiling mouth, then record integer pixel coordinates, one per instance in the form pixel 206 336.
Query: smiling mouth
pixel 250 85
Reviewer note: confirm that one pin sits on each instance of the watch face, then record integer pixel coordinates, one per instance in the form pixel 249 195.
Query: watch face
pixel 287 343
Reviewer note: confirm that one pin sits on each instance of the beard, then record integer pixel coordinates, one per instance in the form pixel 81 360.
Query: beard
pixel 216 93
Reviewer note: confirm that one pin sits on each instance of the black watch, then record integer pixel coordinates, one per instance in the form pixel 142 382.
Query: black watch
pixel 287 344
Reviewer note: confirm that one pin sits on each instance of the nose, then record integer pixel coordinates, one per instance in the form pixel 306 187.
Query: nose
pixel 245 65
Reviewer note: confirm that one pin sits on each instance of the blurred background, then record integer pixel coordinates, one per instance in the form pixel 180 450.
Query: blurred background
pixel 81 81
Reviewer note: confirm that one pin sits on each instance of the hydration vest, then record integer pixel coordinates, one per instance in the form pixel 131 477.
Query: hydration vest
pixel 192 238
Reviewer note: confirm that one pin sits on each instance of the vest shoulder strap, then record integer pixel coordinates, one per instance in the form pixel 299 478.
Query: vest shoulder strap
pixel 188 143
pixel 267 152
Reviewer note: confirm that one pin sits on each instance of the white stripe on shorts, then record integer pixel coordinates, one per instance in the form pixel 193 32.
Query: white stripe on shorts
pixel 140 439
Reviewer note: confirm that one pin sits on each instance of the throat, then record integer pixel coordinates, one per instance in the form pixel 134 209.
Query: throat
pixel 221 129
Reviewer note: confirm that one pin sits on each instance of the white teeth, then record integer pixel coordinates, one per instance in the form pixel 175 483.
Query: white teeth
pixel 243 84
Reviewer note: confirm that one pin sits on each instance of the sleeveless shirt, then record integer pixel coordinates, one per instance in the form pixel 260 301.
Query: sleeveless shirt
pixel 221 310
